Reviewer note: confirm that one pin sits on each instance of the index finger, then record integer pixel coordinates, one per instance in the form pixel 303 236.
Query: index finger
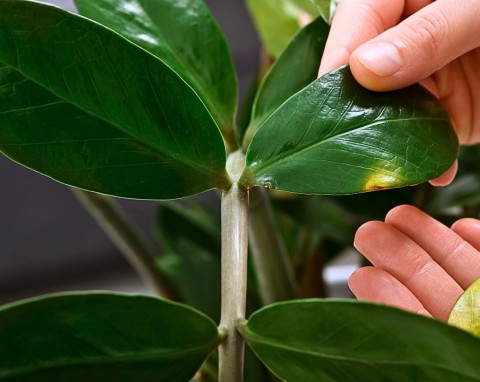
pixel 355 22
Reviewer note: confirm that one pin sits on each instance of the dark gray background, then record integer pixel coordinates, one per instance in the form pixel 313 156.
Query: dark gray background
pixel 48 242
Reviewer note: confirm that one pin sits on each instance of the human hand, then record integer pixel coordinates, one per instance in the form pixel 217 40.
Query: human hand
pixel 393 44
pixel 420 265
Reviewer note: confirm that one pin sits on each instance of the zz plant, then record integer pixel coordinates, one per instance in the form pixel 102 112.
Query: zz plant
pixel 137 99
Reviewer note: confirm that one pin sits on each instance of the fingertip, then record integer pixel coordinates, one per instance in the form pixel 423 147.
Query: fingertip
pixel 465 223
pixel 333 59
pixel 364 234
pixel 469 230
pixel 379 66
pixel 375 66
pixel 378 286
pixel 354 23
pixel 447 177
pixel 358 280
pixel 400 213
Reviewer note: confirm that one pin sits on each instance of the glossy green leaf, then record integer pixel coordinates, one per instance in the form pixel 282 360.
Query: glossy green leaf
pixel 326 8
pixel 347 340
pixel 296 67
pixel 102 337
pixel 336 137
pixel 86 107
pixel 184 35
pixel 277 21
pixel 466 311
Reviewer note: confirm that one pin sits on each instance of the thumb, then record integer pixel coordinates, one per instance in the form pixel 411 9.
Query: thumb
pixel 418 46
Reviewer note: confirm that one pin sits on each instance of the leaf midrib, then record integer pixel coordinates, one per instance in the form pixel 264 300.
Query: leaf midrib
pixel 277 159
pixel 189 163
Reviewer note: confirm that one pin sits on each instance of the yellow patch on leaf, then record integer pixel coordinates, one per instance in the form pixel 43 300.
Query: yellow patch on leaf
pixel 380 180
pixel 466 312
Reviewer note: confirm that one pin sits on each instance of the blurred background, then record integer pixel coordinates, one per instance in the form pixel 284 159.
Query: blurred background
pixel 48 242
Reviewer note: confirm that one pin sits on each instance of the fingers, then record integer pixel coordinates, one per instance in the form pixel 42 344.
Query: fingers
pixel 391 250
pixel 446 178
pixel 418 46
pixel 469 230
pixel 456 86
pixel 412 6
pixel 375 285
pixel 456 256
pixel 354 23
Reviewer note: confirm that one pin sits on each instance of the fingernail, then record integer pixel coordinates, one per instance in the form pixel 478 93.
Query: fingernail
pixel 381 58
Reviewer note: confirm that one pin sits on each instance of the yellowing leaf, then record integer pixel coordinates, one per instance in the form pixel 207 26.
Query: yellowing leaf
pixel 466 312
pixel 382 179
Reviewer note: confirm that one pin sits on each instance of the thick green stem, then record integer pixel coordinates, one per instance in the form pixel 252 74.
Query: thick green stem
pixel 273 267
pixel 127 239
pixel 234 271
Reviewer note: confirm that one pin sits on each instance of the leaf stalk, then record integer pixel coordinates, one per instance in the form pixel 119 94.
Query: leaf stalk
pixel 234 271
pixel 112 219
pixel 274 270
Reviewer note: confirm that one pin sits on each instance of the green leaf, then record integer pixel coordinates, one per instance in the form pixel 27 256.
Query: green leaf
pixel 185 36
pixel 335 340
pixel 466 311
pixel 86 107
pixel 336 137
pixel 296 67
pixel 277 21
pixel 102 337
pixel 326 8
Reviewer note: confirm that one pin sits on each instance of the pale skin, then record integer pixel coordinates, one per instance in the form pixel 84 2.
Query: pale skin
pixel 418 264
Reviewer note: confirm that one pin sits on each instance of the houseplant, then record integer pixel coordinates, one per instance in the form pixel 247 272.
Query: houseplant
pixel 140 103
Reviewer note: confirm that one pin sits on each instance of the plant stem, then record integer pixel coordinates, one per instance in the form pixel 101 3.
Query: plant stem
pixel 274 270
pixel 127 238
pixel 234 271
